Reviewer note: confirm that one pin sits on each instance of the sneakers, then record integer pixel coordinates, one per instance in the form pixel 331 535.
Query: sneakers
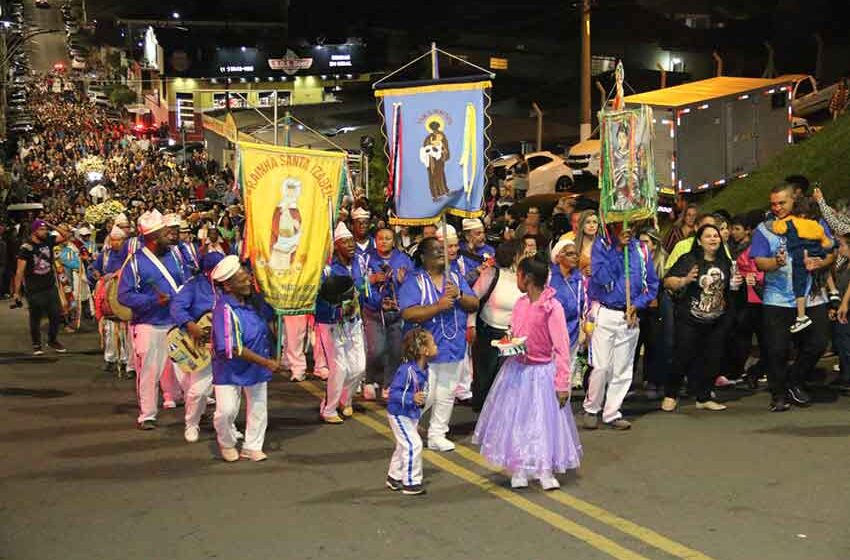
pixel 590 421
pixel 333 419
pixel 229 454
pixel 169 404
pixel 321 374
pixel 620 424
pixel 298 377
pixel 549 482
pixel 147 425
pixel 191 434
pixel 798 396
pixel 413 490
pixel 710 405
pixel 519 480
pixel 669 405
pixel 369 392
pixel 800 324
pixel 778 405
pixel 253 455
pixel 393 484
pixel 57 347
pixel 440 444
pixel 110 367
pixel 834 299
pixel 37 350
pixel 347 412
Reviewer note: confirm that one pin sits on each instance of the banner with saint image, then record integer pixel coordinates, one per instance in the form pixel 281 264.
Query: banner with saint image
pixel 627 183
pixel 436 146
pixel 291 198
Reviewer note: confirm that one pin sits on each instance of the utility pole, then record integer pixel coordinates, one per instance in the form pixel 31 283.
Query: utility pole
pixel 275 117
pixel 585 123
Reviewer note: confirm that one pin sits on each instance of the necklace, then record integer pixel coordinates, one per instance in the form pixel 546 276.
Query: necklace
pixel 440 315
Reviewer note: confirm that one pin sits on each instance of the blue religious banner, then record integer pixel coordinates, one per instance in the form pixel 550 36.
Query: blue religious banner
pixel 436 145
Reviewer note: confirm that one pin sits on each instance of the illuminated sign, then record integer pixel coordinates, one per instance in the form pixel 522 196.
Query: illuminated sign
pixel 235 69
pixel 340 60
pixel 290 63
pixel 497 63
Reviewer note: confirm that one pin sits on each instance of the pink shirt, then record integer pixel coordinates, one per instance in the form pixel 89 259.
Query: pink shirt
pixel 746 265
pixel 545 327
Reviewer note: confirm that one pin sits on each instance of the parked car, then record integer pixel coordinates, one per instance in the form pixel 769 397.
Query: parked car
pixel 78 63
pixel 585 160
pixel 534 173
pixel 42 4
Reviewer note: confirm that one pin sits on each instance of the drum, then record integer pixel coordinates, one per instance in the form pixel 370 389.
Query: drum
pixel 182 350
pixel 114 310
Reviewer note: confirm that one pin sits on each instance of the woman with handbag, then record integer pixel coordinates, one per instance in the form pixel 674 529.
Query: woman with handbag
pixel 497 291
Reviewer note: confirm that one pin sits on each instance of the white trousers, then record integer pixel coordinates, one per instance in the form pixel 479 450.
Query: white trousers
pixel 294 334
pixel 196 388
pixel 406 462
pixel 345 354
pixel 227 401
pixel 463 391
pixel 115 335
pixel 442 381
pixel 153 368
pixel 612 347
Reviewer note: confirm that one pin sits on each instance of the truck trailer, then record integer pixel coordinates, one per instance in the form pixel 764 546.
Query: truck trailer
pixel 708 132
pixel 712 131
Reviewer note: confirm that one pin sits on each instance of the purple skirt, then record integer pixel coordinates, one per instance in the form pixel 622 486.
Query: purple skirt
pixel 522 428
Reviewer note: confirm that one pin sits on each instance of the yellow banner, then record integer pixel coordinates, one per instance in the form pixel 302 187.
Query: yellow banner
pixel 291 197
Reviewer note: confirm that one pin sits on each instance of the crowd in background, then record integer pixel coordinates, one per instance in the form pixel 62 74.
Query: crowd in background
pixel 672 313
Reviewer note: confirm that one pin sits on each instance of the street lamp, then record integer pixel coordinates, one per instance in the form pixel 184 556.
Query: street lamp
pixel 175 15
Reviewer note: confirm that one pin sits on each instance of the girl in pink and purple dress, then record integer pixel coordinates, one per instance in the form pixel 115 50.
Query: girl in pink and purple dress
pixel 526 425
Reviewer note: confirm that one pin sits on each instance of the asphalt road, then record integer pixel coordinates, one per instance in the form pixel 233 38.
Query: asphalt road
pixel 78 480
pixel 49 48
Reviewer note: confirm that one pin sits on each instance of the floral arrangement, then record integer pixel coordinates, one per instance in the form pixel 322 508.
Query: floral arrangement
pixel 99 213
pixel 89 164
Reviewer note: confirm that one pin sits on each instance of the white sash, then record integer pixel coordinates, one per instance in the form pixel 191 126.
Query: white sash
pixel 161 267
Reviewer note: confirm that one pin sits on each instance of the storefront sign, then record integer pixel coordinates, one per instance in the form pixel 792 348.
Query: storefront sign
pixel 290 63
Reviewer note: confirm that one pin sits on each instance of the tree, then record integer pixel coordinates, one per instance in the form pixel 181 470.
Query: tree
pixel 122 95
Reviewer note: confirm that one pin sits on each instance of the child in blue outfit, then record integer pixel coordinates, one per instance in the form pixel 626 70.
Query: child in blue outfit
pixel 407 394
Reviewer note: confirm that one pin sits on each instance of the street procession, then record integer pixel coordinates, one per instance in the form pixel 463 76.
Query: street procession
pixel 231 312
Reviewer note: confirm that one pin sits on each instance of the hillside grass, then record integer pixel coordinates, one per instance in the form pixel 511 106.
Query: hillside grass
pixel 824 158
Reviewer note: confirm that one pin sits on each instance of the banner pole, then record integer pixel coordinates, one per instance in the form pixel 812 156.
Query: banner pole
pixel 435 66
pixel 627 271
pixel 279 335
pixel 446 250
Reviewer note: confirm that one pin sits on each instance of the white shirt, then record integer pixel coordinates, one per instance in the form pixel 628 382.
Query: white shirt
pixel 498 308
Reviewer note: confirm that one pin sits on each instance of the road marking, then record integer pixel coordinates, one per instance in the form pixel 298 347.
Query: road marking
pixel 621 524
pixel 556 520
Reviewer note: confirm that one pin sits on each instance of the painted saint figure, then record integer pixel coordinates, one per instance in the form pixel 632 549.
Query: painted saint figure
pixel 626 177
pixel 286 226
pixel 434 155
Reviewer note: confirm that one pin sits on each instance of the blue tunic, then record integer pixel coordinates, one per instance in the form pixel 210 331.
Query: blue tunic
pixel 408 380
pixel 607 280
pixel 397 261
pixel 570 294
pixel 238 325
pixel 140 283
pixel 448 327
pixel 192 301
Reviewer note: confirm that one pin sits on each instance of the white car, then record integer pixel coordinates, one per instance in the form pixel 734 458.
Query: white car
pixel 535 173
pixel 585 159
pixel 78 63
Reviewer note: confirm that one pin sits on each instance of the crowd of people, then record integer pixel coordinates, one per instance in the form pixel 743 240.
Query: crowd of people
pixel 508 314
